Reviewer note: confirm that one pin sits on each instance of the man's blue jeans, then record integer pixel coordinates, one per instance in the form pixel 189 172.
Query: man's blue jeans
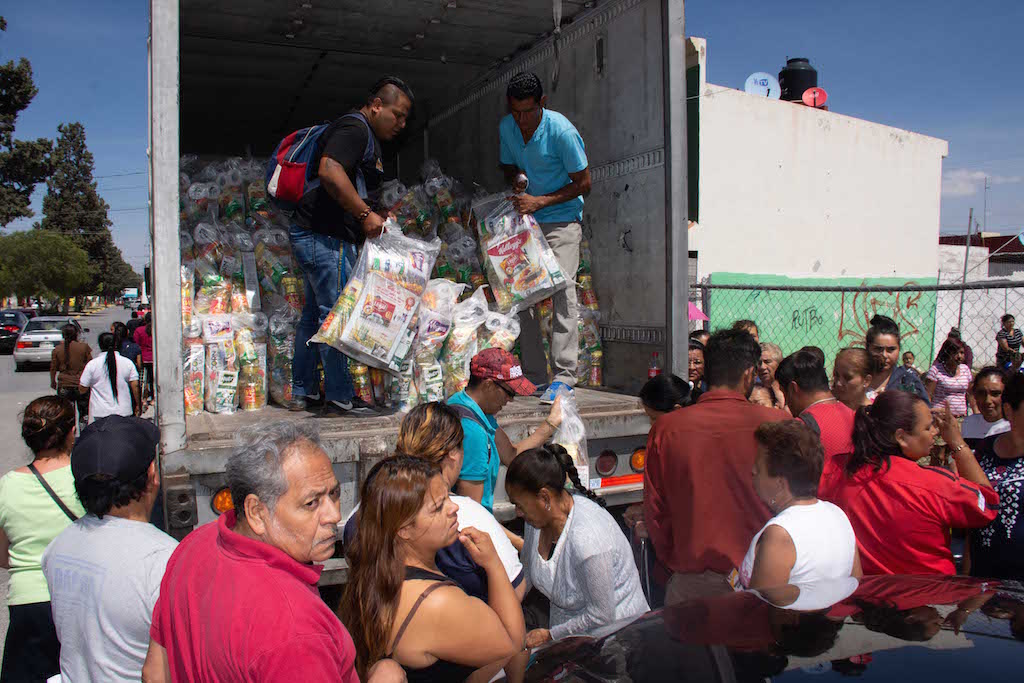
pixel 327 263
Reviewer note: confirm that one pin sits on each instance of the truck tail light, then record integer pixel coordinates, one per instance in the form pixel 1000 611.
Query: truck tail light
pixel 222 501
pixel 638 460
pixel 606 463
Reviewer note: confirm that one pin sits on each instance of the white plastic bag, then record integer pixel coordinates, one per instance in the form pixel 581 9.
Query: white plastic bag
pixel 572 434
pixel 461 345
pixel 373 320
pixel 518 261
pixel 437 310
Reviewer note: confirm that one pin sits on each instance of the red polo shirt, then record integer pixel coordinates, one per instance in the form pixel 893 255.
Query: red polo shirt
pixel 902 514
pixel 234 609
pixel 700 506
pixel 835 420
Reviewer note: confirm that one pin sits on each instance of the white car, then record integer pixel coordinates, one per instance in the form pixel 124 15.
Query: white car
pixel 38 339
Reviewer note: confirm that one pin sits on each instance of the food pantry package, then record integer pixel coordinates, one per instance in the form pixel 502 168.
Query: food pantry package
pixel 518 261
pixel 374 319
pixel 280 351
pixel 437 310
pixel 499 331
pixel 461 345
pixel 193 367
pixel 572 435
pixel 251 357
pixel 221 364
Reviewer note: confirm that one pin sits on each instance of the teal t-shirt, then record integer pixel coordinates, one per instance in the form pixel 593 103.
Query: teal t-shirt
pixel 480 461
pixel 554 151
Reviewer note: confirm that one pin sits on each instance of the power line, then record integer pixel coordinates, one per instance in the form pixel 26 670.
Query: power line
pixel 119 175
pixel 128 187
pixel 136 208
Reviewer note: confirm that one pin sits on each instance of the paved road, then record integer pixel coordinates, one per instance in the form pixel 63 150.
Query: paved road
pixel 17 389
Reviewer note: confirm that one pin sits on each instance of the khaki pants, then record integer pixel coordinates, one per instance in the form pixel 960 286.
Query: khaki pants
pixel 564 239
pixel 683 587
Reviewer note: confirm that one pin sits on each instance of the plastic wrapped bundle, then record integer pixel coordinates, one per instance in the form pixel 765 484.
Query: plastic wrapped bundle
pixel 193 367
pixel 213 295
pixel 374 319
pixel 244 284
pixel 438 187
pixel 281 284
pixel 461 345
pixel 409 206
pixel 251 356
pixel 231 198
pixel 499 331
pixel 403 388
pixel 437 310
pixel 280 351
pixel 188 278
pixel 429 380
pixel 221 364
pixel 200 203
pixel 518 261
pixel 572 435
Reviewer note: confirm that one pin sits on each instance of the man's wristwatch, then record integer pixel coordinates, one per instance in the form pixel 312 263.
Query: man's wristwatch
pixel 363 214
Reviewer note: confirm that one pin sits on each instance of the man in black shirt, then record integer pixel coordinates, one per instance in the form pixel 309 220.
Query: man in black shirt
pixel 328 231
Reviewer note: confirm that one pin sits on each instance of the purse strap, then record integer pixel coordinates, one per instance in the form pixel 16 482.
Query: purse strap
pixel 53 494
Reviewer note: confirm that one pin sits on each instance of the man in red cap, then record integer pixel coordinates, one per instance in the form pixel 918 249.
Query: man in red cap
pixel 495 378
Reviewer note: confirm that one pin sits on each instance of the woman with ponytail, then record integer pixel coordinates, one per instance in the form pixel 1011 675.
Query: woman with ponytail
pixel 113 382
pixel 902 512
pixel 574 551
pixel 398 605
pixel 66 365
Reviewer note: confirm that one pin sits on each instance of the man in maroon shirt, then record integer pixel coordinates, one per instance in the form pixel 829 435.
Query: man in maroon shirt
pixel 700 506
pixel 238 601
pixel 805 383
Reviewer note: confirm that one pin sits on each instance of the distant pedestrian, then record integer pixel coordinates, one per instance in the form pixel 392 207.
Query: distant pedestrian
pixel 37 502
pixel 113 551
pixel 1008 342
pixel 954 333
pixel 66 365
pixel 113 382
pixel 125 346
pixel 144 338
pixel 133 323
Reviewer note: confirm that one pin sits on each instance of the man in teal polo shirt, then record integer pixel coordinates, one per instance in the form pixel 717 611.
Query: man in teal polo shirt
pixel 547 148
pixel 495 378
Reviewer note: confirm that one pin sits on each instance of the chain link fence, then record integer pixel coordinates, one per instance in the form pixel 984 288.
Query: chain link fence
pixel 833 318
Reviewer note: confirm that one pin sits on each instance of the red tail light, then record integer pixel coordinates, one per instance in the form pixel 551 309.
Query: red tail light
pixel 606 463
pixel 12 328
pixel 25 345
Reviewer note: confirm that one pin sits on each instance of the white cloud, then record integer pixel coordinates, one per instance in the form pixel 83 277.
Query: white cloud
pixel 963 182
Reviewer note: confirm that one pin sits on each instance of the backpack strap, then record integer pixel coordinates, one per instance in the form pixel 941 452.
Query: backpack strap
pixel 468 414
pixel 811 422
pixel 53 494
pixel 367 153
pixel 416 605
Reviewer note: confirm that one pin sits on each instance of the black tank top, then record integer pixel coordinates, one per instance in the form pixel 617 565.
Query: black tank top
pixel 440 671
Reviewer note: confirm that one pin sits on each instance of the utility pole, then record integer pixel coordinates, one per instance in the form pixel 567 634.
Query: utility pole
pixel 984 216
pixel 967 253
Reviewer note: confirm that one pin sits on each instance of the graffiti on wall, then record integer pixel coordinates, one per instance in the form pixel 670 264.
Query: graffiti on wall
pixel 828 320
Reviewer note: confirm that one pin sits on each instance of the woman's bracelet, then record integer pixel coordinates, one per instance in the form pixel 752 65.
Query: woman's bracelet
pixel 548 423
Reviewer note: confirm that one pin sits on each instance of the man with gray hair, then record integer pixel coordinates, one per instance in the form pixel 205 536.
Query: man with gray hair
pixel 239 600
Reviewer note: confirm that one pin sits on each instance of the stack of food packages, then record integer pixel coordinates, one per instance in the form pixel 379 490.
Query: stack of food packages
pixel 237 270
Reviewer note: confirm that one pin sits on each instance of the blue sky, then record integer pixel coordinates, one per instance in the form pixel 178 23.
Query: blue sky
pixel 950 70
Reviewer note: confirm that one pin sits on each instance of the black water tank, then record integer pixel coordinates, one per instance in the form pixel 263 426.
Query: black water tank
pixel 797 76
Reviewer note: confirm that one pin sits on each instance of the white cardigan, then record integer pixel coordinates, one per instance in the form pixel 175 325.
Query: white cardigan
pixel 596 579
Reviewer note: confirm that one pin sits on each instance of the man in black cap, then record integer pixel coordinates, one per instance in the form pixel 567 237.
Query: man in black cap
pixel 104 571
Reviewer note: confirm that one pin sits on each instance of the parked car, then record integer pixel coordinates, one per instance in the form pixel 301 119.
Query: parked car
pixel 38 338
pixel 30 312
pixel 880 628
pixel 11 324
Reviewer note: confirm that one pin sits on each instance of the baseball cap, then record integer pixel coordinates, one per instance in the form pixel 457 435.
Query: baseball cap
pixel 119 447
pixel 501 366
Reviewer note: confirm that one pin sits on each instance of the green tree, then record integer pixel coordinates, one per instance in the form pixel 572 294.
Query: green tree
pixel 23 163
pixel 39 263
pixel 73 207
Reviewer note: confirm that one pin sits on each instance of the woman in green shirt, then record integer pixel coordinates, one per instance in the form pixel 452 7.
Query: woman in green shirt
pixel 30 517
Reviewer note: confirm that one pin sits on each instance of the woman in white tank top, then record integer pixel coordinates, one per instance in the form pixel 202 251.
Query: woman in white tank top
pixel 808 539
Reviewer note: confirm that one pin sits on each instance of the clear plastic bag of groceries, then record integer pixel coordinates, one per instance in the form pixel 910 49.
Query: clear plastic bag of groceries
pixel 281 283
pixel 213 290
pixel 199 203
pixel 461 345
pixel 280 352
pixel 251 356
pixel 404 396
pixel 188 278
pixel 572 434
pixel 374 319
pixel 438 187
pixel 231 197
pixel 429 381
pixel 499 331
pixel 518 261
pixel 410 206
pixel 437 311
pixel 193 367
pixel 221 364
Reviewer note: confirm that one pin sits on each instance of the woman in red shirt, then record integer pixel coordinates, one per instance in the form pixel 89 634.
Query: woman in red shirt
pixel 902 512
pixel 144 338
